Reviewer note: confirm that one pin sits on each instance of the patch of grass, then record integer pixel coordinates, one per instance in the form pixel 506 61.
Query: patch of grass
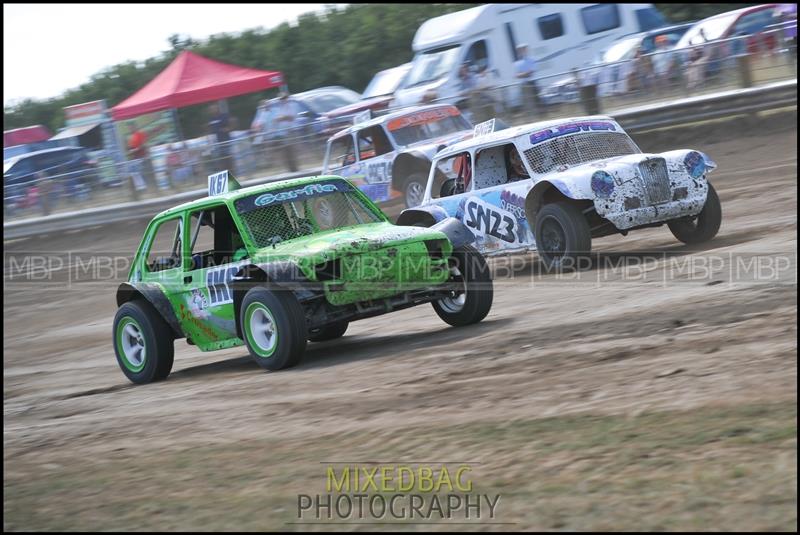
pixel 715 468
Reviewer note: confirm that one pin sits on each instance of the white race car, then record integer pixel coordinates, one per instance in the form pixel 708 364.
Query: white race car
pixel 395 150
pixel 555 185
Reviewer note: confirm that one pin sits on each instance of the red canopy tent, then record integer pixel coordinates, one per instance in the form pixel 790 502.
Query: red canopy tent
pixel 193 79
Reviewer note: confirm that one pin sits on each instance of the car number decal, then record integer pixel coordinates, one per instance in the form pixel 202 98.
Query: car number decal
pixel 379 172
pixel 219 293
pixel 490 220
pixel 217 279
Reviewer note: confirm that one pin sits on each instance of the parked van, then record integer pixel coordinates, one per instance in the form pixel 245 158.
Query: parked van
pixel 560 37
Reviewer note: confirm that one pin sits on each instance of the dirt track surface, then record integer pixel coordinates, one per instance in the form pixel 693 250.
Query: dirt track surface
pixel 684 337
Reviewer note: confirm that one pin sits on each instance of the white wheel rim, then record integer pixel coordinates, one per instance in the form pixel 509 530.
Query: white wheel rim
pixel 133 345
pixel 262 329
pixel 455 302
pixel 414 193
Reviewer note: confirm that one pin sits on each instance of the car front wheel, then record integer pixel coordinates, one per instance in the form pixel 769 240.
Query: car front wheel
pixel 471 291
pixel 562 235
pixel 704 226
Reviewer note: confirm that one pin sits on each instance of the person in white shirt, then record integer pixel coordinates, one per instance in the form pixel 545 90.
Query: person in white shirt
pixel 525 71
pixel 662 59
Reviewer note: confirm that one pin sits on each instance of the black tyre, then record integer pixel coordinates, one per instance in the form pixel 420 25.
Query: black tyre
pixel 471 299
pixel 274 327
pixel 143 342
pixel 702 228
pixel 562 235
pixel 414 189
pixel 328 332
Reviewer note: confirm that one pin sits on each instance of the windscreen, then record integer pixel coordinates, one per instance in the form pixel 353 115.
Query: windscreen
pixel 7 165
pixel 384 83
pixel 426 125
pixel 570 150
pixel 327 102
pixel 706 30
pixel 432 65
pixel 622 50
pixel 296 211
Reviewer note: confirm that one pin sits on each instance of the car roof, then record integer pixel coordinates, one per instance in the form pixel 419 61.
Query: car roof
pixel 669 28
pixel 312 93
pixel 649 33
pixel 244 192
pixel 386 118
pixel 509 134
pixel 46 151
pixel 740 11
pixel 14 159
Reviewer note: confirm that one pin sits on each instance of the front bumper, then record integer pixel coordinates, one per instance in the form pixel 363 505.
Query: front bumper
pixel 657 213
pixel 652 191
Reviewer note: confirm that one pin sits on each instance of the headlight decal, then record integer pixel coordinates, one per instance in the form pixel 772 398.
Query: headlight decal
pixel 695 164
pixel 602 184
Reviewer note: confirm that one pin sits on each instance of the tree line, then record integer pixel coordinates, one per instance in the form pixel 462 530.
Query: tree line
pixel 337 46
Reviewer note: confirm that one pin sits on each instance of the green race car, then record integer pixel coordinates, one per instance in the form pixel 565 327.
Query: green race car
pixel 276 265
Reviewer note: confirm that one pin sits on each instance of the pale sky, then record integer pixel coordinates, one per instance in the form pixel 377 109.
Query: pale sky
pixel 49 48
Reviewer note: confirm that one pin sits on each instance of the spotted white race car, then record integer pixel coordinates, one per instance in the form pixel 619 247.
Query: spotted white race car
pixel 555 185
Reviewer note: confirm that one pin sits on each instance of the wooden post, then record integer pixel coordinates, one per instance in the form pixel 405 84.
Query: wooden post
pixel 745 71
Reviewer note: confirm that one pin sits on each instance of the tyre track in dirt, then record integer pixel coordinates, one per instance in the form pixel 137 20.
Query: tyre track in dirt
pixel 605 343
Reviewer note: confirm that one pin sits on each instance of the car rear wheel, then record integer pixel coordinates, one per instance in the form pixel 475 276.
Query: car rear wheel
pixel 472 292
pixel 274 327
pixel 143 342
pixel 562 235
pixel 702 228
pixel 328 332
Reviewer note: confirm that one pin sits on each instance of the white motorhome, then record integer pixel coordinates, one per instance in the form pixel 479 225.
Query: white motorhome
pixel 560 37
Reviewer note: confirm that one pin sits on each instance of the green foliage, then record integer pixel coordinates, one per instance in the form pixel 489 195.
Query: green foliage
pixel 335 47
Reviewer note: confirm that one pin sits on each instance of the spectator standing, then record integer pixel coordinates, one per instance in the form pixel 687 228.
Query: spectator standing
pixel 587 79
pixel 662 60
pixel 640 73
pixel 787 16
pixel 45 191
pixel 137 154
pixel 219 127
pixel 525 71
pixel 286 119
pixel 173 161
pixel 695 67
pixel 259 129
pixel 485 105
pixel 178 167
pixel 466 86
pixel 466 79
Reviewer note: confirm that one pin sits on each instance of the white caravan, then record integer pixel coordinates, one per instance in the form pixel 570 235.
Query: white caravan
pixel 560 37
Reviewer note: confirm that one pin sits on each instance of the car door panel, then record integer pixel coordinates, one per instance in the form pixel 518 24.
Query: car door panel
pixel 495 215
pixel 206 308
